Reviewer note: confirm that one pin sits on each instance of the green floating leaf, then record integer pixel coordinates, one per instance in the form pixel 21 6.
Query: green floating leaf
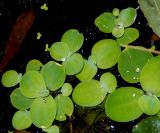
pixel 107 53
pixel 10 78
pixel 34 65
pixel 21 120
pixel 148 125
pixel 108 81
pixel 150 105
pixel 19 101
pixel 73 64
pixel 88 71
pixel 149 76
pixel 32 85
pixel 64 107
pixel 73 39
pixel 43 112
pixel 129 36
pixel 152 14
pixel 115 12
pixel 66 89
pixel 105 22
pixel 121 105
pixel 54 75
pixel 52 129
pixel 131 62
pixel 92 59
pixel 118 31
pixel 59 51
pixel 88 93
pixel 127 16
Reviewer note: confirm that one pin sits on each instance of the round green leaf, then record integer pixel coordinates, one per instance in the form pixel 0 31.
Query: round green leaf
pixel 10 78
pixel 59 51
pixel 54 75
pixel 130 35
pixel 34 65
pixel 88 71
pixel 43 112
pixel 88 93
pixel 131 62
pixel 21 120
pixel 150 105
pixel 73 64
pixel 66 89
pixel 105 22
pixel 52 129
pixel 115 12
pixel 118 31
pixel 73 39
pixel 108 81
pixel 19 101
pixel 64 107
pixel 127 16
pixel 149 76
pixel 121 105
pixel 148 125
pixel 107 53
pixel 32 85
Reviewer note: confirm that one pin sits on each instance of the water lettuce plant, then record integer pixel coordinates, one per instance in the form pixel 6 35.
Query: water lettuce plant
pixel 43 95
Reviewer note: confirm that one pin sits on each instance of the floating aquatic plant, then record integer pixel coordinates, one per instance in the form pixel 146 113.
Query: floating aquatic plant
pixel 44 94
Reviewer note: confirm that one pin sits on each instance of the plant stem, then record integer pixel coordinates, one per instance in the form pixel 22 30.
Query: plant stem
pixel 142 49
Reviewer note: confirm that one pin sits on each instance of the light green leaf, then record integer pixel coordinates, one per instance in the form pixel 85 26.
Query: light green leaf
pixel 129 36
pixel 19 101
pixel 64 107
pixel 131 62
pixel 121 105
pixel 54 75
pixel 127 16
pixel 59 51
pixel 88 93
pixel 150 105
pixel 149 76
pixel 32 85
pixel 88 71
pixel 73 64
pixel 105 22
pixel 151 10
pixel 108 81
pixel 106 52
pixel 52 129
pixel 21 120
pixel 43 112
pixel 10 78
pixel 73 39
pixel 34 65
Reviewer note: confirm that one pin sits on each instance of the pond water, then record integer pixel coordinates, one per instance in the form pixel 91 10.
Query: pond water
pixel 62 15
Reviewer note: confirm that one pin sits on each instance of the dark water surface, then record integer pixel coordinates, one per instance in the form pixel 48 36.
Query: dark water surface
pixel 61 16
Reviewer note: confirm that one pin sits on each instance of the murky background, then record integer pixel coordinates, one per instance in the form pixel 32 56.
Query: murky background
pixel 61 16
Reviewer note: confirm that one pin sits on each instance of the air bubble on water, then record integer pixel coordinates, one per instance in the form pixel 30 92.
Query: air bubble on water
pixel 139 22
pixel 112 127
pixel 137 69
